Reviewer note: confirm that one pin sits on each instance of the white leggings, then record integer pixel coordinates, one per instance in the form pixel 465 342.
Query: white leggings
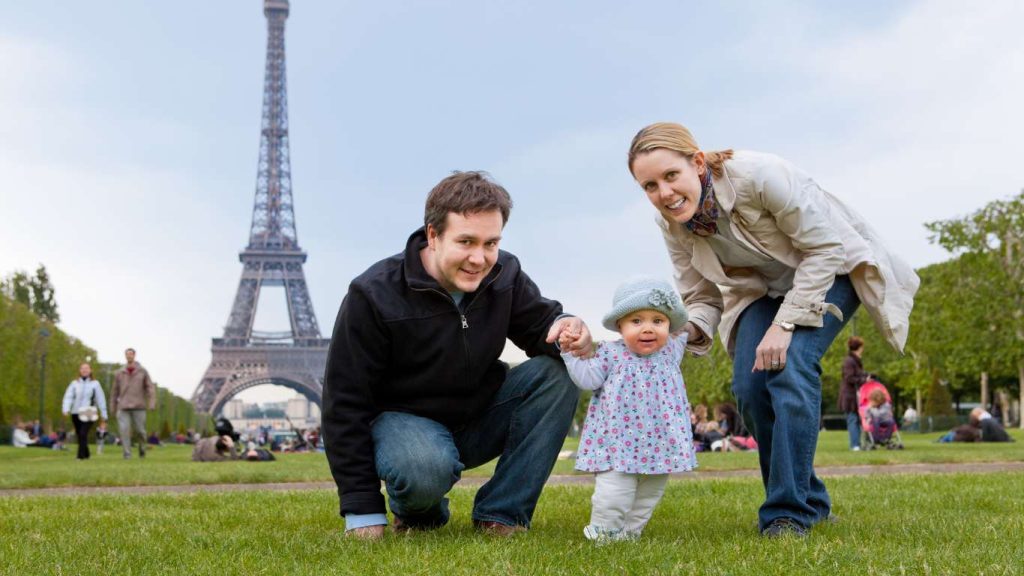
pixel 625 502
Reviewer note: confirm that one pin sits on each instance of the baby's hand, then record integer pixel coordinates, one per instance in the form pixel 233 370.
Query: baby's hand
pixel 567 337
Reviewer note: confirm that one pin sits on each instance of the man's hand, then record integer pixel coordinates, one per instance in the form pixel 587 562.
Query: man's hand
pixel 572 335
pixel 366 533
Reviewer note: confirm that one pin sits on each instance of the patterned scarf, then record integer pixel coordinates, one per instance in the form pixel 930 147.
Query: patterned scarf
pixel 705 221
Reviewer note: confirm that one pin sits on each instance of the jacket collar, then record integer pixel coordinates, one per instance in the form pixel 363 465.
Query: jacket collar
pixel 725 194
pixel 416 275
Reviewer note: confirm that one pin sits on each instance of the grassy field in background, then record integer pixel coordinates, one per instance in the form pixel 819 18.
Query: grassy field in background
pixel 39 468
pixel 930 524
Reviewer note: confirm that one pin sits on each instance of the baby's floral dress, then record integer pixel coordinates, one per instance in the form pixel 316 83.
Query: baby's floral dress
pixel 638 420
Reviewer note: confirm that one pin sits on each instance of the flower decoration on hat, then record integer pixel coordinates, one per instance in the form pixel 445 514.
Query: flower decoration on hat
pixel 660 297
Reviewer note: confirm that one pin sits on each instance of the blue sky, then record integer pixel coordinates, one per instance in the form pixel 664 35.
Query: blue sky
pixel 129 136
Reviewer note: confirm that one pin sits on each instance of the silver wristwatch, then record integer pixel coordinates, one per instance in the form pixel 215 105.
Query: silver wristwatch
pixel 787 326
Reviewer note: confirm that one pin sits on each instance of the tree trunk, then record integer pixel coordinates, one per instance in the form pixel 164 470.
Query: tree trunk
pixel 1002 399
pixel 1020 384
pixel 984 390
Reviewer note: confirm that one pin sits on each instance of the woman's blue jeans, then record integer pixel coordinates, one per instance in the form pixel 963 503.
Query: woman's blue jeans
pixel 783 408
pixel 853 429
pixel 420 459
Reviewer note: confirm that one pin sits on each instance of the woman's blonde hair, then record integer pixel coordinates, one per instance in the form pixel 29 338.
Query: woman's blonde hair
pixel 675 137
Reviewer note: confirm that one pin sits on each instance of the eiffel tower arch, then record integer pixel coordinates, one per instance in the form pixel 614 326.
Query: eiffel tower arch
pixel 244 357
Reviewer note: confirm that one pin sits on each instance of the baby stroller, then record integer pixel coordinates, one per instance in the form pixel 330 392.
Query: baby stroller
pixel 880 433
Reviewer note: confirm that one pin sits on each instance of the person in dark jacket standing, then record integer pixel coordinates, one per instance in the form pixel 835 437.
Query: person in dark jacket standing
pixel 132 394
pixel 853 377
pixel 414 390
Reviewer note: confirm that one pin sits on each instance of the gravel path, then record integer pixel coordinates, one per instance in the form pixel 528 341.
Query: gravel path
pixel 582 479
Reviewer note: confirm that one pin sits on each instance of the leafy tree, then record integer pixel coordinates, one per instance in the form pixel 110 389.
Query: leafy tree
pixel 997 232
pixel 25 339
pixel 34 292
pixel 44 304
pixel 16 287
pixel 939 401
pixel 709 378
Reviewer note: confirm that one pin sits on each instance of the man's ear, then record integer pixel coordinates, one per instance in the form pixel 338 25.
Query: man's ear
pixel 432 236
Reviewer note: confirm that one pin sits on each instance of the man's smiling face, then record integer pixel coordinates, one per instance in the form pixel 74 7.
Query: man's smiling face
pixel 461 257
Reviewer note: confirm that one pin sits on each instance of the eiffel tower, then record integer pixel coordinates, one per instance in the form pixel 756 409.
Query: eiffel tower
pixel 244 357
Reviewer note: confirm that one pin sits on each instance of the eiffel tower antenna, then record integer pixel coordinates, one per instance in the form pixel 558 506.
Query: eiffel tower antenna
pixel 244 357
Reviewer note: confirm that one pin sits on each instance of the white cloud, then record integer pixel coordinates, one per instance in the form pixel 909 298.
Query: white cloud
pixel 935 102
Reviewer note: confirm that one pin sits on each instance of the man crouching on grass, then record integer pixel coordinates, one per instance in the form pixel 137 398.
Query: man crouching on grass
pixel 414 391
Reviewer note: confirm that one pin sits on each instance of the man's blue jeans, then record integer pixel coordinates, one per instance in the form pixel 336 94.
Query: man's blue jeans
pixel 420 459
pixel 783 408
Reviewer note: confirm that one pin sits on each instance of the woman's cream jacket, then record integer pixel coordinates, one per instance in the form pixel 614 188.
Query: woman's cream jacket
pixel 778 210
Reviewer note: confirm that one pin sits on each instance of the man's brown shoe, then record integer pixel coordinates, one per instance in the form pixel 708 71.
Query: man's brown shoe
pixel 492 528
pixel 401 527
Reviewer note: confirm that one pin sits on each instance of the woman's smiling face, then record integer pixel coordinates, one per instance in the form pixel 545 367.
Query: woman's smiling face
pixel 671 182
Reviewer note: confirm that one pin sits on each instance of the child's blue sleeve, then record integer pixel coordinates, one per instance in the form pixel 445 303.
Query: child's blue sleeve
pixel 588 374
pixel 680 342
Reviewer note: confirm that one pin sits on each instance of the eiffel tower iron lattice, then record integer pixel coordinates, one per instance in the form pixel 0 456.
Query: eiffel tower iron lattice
pixel 244 357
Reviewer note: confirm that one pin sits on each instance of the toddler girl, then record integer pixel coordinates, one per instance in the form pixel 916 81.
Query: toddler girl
pixel 881 422
pixel 637 429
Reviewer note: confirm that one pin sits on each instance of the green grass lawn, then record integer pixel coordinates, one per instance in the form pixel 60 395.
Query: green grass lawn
pixel 38 468
pixel 931 524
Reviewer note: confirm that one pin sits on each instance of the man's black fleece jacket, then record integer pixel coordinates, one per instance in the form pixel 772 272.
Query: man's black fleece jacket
pixel 401 344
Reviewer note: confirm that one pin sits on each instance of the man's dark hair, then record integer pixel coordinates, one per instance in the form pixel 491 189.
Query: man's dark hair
pixel 465 193
pixel 132 350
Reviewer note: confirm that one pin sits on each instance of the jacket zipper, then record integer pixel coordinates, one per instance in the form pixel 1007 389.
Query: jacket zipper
pixel 462 315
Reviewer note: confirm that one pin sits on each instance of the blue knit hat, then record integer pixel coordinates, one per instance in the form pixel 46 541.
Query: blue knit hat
pixel 646 293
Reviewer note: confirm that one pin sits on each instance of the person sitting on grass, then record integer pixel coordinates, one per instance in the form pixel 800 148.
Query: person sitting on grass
pixel 637 429
pixel 215 449
pixel 962 433
pixel 21 437
pixel 699 418
pixel 989 429
pixel 254 454
pixel 730 423
pixel 714 440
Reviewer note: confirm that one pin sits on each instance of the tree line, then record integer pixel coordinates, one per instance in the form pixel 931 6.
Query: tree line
pixel 966 330
pixel 38 360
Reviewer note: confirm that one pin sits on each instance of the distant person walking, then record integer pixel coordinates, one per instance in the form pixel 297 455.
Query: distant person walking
pixel 132 395
pixel 853 377
pixel 85 402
